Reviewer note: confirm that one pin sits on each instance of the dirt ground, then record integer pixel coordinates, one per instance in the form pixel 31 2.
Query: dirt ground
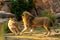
pixel 37 35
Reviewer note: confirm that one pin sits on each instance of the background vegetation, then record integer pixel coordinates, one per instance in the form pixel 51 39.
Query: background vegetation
pixel 18 6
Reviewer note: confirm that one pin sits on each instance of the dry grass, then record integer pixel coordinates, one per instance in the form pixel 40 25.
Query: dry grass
pixel 35 36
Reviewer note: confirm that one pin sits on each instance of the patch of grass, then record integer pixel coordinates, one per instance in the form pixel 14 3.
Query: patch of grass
pixel 1 32
pixel 5 26
pixel 1 29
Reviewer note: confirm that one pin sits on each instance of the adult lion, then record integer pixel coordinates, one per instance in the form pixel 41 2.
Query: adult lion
pixel 14 26
pixel 31 22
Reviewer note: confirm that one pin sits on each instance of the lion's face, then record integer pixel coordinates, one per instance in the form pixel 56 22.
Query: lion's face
pixel 26 16
pixel 12 19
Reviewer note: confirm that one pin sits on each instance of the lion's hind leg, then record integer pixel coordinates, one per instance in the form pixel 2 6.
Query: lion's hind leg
pixel 48 31
pixel 13 30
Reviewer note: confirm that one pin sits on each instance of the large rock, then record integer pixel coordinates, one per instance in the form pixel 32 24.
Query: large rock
pixel 52 5
pixel 5 14
pixel 57 15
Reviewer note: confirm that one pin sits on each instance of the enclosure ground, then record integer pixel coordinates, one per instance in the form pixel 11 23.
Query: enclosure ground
pixel 37 35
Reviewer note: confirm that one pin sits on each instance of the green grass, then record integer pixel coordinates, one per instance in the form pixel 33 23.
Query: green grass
pixel 1 32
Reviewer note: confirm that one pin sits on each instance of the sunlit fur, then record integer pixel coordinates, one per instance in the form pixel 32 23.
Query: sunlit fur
pixel 14 26
pixel 31 22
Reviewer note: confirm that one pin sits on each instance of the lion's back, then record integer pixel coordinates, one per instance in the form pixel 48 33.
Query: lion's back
pixel 42 21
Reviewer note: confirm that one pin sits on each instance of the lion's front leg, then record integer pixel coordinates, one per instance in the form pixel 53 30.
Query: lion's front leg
pixel 23 30
pixel 14 31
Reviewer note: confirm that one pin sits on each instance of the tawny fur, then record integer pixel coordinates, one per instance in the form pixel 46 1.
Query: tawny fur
pixel 14 26
pixel 31 22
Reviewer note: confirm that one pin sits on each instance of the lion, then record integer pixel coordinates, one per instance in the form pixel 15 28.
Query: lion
pixel 14 26
pixel 31 22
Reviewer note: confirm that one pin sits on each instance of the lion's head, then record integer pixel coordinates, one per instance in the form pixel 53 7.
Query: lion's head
pixel 26 17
